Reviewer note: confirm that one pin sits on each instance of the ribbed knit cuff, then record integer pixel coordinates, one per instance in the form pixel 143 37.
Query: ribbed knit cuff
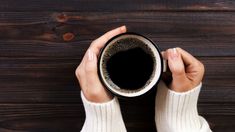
pixel 103 117
pixel 177 112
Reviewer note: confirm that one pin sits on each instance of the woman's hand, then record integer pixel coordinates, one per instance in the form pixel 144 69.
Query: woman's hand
pixel 187 71
pixel 87 74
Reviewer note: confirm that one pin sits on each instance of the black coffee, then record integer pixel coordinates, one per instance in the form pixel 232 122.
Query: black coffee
pixel 130 69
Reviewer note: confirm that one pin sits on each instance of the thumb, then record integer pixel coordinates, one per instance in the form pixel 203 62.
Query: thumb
pixel 95 90
pixel 91 65
pixel 176 66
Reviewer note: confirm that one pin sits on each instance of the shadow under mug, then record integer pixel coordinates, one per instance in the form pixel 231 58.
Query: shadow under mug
pixel 130 65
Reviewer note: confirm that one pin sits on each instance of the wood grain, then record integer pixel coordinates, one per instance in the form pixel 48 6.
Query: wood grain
pixel 60 117
pixel 41 34
pixel 42 42
pixel 41 80
pixel 117 5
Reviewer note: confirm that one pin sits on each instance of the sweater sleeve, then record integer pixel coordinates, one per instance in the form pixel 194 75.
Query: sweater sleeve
pixel 103 117
pixel 177 112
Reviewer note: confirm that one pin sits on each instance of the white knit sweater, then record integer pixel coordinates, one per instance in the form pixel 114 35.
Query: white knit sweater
pixel 174 112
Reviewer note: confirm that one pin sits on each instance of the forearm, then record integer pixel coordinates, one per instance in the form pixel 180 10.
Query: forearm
pixel 103 117
pixel 177 112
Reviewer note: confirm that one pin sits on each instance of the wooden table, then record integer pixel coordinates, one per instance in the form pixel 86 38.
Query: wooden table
pixel 42 42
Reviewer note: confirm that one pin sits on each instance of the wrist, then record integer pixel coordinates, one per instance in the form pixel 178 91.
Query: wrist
pixel 177 110
pixel 98 96
pixel 183 86
pixel 102 116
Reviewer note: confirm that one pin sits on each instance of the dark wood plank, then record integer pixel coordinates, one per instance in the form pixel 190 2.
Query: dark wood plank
pixel 217 108
pixel 41 80
pixel 41 118
pixel 39 52
pixel 221 123
pixel 62 117
pixel 44 35
pixel 116 5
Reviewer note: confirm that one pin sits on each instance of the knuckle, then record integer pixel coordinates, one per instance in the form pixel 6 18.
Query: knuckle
pixel 202 67
pixel 178 48
pixel 197 63
pixel 93 43
pixel 120 30
pixel 78 72
pixel 167 52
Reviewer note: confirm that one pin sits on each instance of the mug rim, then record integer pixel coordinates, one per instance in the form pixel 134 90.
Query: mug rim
pixel 99 61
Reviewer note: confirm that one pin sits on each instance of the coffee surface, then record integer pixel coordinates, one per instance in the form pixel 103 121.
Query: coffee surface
pixel 130 69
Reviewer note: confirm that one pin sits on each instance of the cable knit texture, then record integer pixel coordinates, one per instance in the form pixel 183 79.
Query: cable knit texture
pixel 103 117
pixel 174 112
pixel 177 112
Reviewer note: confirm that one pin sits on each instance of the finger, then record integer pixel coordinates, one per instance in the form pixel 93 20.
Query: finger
pixel 101 41
pixel 92 78
pixel 188 59
pixel 80 72
pixel 194 68
pixel 90 61
pixel 90 65
pixel 164 56
pixel 82 63
pixel 176 65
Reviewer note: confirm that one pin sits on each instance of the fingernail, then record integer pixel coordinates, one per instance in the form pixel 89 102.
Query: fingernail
pixel 123 28
pixel 90 55
pixel 174 54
